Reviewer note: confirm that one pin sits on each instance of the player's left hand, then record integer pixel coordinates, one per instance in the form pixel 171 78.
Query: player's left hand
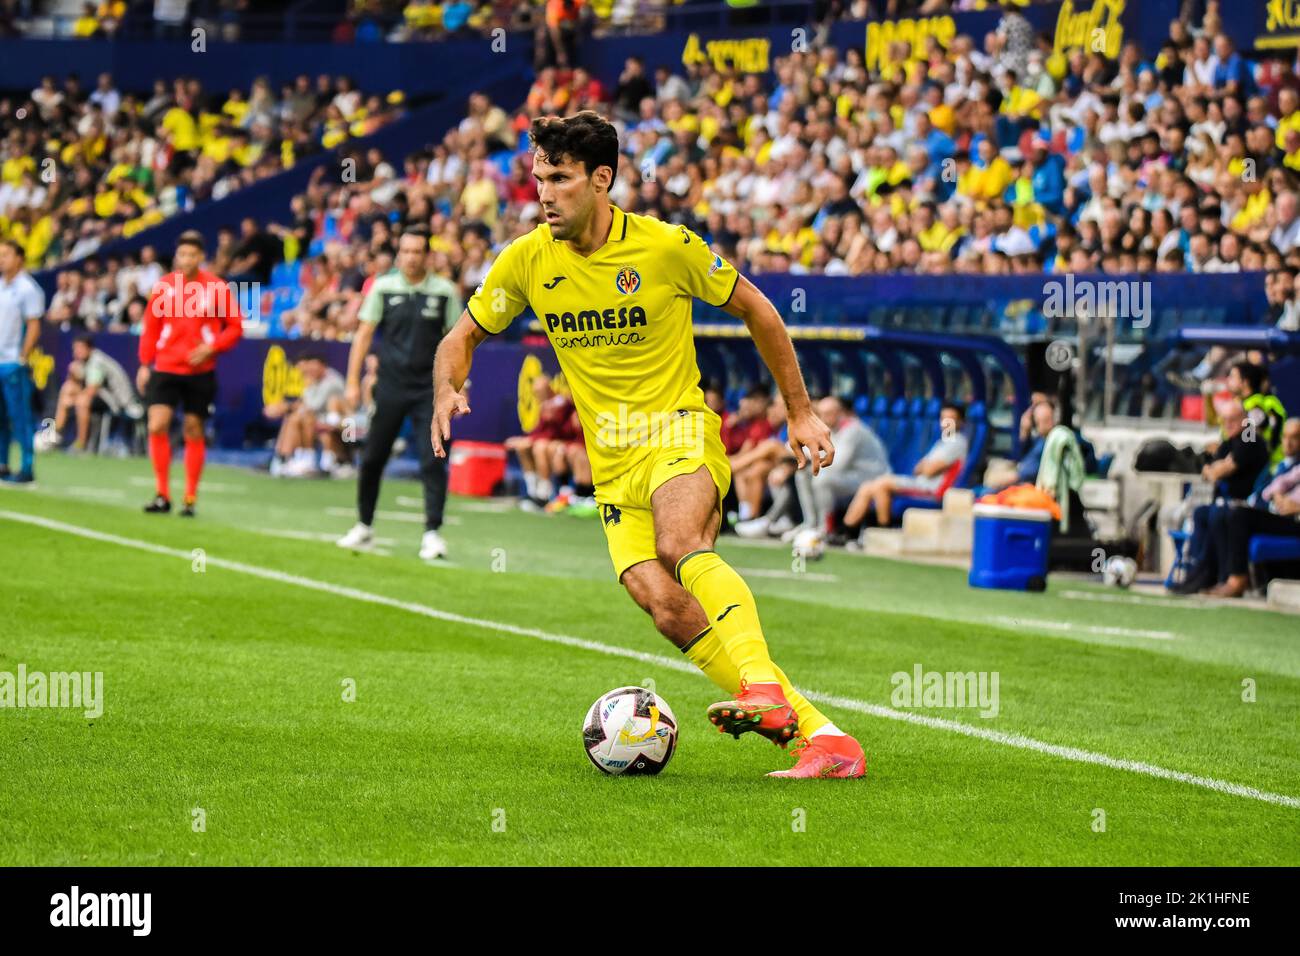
pixel 201 354
pixel 809 431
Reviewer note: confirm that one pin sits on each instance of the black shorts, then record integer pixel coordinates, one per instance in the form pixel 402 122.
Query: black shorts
pixel 193 393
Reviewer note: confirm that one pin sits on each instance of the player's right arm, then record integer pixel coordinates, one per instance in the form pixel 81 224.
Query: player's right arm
pixel 450 371
pixel 492 307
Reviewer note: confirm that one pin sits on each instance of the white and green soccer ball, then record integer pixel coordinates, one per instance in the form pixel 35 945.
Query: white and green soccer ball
pixel 809 544
pixel 1119 572
pixel 630 731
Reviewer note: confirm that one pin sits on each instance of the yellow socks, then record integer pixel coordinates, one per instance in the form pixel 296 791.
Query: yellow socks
pixel 707 652
pixel 730 607
pixel 811 719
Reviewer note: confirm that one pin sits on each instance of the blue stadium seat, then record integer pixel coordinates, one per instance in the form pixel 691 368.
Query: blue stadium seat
pixel 285 274
pixel 877 414
pixel 977 430
pixel 1272 547
pixel 502 160
pixel 976 433
pixel 896 432
pixel 915 445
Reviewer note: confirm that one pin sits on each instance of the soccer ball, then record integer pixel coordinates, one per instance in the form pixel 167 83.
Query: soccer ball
pixel 809 544
pixel 629 731
pixel 1119 572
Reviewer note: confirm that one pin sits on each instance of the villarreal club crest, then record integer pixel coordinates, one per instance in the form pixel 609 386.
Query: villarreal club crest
pixel 628 280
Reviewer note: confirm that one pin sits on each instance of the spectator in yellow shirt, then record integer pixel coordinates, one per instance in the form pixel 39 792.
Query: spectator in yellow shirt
pixel 86 25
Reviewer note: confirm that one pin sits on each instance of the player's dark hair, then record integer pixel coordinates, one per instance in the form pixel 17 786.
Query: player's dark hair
pixel 1252 374
pixel 957 407
pixel 312 357
pixel 583 138
pixel 84 339
pixel 419 232
pixel 191 237
pixel 16 246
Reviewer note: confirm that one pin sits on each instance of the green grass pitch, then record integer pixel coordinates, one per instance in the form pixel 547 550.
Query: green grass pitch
pixel 225 672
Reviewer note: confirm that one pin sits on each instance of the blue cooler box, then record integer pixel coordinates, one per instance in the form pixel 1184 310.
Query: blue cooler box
pixel 1010 549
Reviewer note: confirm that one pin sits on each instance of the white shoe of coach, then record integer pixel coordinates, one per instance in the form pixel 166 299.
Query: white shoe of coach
pixel 360 538
pixel 432 546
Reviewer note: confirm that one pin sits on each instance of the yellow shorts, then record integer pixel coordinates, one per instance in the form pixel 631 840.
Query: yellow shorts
pixel 625 501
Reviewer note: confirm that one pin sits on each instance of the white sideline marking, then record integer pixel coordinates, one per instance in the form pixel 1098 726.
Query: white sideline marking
pixel 1127 599
pixel 677 664
pixel 217 486
pixel 88 491
pixel 408 516
pixel 788 575
pixel 1067 627
pixel 406 501
pixel 296 535
pixel 1189 602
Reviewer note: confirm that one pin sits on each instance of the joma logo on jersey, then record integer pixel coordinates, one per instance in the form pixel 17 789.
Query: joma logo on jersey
pixel 589 320
pixel 628 280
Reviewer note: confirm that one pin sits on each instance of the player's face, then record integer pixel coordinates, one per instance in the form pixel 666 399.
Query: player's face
pixel 188 258
pixel 567 194
pixel 8 260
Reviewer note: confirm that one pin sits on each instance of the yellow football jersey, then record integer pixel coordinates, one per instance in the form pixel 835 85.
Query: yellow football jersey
pixel 620 323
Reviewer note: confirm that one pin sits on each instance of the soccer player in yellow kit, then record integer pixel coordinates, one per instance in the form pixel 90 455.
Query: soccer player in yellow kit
pixel 613 292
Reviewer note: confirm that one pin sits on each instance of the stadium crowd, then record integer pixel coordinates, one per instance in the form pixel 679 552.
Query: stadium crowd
pixel 991 157
pixel 81 167
pixel 994 155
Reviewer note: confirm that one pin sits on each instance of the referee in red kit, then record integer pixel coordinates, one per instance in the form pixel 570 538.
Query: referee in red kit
pixel 192 317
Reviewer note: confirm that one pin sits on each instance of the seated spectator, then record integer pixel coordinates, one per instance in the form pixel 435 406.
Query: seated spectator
pixel 1234 465
pixel 1278 514
pixel 569 457
pixel 96 383
pixel 859 458
pixel 930 477
pixel 542 452
pixel 752 467
pixel 315 419
pixel 1249 383
pixel 1002 473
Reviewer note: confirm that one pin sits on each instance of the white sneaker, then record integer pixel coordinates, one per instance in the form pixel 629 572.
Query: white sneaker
pixel 432 546
pixel 753 528
pixel 344 471
pixel 781 525
pixel 299 468
pixel 789 534
pixel 360 538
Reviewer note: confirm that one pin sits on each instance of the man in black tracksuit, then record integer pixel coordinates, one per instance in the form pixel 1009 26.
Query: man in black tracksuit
pixel 414 307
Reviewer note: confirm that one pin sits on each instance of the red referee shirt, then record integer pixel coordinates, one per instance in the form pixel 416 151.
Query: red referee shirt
pixel 182 315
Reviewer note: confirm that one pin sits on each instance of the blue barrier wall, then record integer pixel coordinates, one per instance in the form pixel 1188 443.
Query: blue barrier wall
pixel 257 372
